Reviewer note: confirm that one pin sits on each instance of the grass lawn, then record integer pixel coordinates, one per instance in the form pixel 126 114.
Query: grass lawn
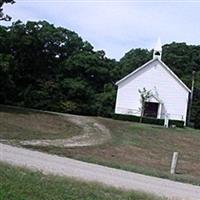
pixel 141 148
pixel 21 184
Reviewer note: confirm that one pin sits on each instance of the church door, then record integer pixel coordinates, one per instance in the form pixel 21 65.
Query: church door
pixel 151 109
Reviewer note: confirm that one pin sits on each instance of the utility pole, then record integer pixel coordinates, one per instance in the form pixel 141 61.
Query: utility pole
pixel 191 98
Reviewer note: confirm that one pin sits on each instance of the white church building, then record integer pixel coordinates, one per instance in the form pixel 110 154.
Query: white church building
pixel 169 95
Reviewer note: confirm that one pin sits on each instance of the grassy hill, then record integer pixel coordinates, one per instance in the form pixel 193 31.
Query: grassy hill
pixel 135 147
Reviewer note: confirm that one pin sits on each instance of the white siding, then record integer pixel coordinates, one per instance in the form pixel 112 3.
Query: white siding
pixel 156 78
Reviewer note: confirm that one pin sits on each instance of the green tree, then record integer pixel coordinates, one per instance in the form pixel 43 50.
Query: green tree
pixel 48 67
pixel 145 95
pixel 134 59
pixel 2 15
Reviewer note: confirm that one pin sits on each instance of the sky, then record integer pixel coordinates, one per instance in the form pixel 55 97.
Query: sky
pixel 117 26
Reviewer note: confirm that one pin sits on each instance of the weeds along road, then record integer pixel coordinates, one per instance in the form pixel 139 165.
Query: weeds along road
pixel 52 164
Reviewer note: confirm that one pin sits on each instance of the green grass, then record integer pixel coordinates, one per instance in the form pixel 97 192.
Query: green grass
pixel 136 147
pixel 20 184
pixel 146 149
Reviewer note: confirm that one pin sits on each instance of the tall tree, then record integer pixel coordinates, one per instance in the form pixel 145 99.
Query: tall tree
pixel 133 59
pixel 3 16
pixel 48 67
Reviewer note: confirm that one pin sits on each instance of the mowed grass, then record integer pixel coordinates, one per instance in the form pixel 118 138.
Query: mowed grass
pixel 24 124
pixel 20 184
pixel 146 149
pixel 136 147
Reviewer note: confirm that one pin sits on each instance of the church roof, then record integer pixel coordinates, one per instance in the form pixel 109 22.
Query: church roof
pixel 163 64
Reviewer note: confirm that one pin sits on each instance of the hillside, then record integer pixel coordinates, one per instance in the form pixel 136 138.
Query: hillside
pixel 135 147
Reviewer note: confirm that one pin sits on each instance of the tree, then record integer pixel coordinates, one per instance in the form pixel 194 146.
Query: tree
pixel 2 15
pixel 145 95
pixel 133 59
pixel 105 101
pixel 53 68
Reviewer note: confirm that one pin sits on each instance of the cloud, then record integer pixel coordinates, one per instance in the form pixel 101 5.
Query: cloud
pixel 117 26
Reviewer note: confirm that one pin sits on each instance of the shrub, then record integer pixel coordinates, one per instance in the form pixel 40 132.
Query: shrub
pixel 197 121
pixel 149 120
pixel 126 117
pixel 65 106
pixel 134 118
pixel 177 123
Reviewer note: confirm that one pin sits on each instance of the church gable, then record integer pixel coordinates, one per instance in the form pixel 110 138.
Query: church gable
pixel 148 66
pixel 153 76
pixel 169 94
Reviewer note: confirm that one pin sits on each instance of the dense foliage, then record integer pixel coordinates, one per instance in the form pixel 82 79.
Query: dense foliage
pixel 52 68
pixel 3 16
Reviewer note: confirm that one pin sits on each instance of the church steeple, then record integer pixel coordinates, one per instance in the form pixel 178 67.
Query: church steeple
pixel 157 52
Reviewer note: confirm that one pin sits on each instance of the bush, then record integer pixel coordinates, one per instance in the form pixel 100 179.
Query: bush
pixel 126 117
pixel 177 123
pixel 197 121
pixel 148 120
pixel 134 118
pixel 65 106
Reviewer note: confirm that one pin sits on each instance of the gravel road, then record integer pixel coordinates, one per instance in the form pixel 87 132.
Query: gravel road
pixel 52 164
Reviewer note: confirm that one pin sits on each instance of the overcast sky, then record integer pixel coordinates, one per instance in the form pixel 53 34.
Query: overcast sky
pixel 117 26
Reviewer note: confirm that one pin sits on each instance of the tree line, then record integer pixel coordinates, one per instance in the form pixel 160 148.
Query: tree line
pixel 53 68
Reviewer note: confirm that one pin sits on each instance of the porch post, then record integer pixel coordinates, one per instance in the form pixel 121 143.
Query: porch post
pixel 159 111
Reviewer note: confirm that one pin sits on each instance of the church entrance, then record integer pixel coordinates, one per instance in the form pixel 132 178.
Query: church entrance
pixel 151 109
